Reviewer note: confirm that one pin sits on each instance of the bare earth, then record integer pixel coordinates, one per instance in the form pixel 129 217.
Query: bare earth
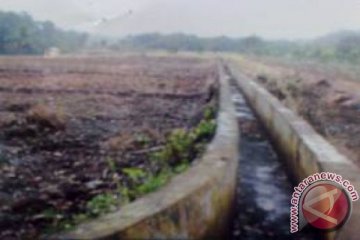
pixel 61 120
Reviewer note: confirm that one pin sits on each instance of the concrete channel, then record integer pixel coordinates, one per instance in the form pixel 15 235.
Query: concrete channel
pixel 263 188
pixel 240 188
pixel 197 204
pixel 303 151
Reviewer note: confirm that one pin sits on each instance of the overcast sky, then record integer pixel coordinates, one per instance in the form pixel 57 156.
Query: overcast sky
pixel 274 19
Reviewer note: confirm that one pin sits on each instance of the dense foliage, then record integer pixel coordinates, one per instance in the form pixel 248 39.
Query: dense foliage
pixel 184 42
pixel 21 34
pixel 343 46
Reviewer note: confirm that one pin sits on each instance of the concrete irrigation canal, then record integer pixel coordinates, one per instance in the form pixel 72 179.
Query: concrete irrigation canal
pixel 263 188
pixel 241 187
pixel 263 175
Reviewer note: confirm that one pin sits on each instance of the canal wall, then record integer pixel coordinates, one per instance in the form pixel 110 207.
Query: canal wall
pixel 303 150
pixel 196 204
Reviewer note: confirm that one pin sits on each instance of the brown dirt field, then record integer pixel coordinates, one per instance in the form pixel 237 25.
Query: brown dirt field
pixel 61 120
pixel 328 98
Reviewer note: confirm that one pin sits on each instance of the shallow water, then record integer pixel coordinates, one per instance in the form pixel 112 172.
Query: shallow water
pixel 263 188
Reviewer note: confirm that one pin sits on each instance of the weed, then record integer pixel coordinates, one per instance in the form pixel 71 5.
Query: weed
pixel 135 174
pixel 181 167
pixel 181 145
pixel 101 204
pixel 56 220
pixel 98 205
pixel 153 183
pixel 209 113
pixel 185 144
pixel 125 194
pixel 205 129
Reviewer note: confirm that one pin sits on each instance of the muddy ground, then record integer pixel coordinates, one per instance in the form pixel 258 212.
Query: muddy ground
pixel 328 97
pixel 68 128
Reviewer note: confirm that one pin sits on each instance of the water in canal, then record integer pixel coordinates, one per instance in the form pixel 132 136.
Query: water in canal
pixel 263 188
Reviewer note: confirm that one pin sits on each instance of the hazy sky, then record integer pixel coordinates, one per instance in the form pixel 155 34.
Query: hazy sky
pixel 267 18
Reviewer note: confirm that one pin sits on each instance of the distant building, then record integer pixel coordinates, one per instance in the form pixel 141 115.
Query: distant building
pixel 52 52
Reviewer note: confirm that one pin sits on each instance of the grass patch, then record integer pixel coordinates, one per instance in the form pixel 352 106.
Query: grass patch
pixel 101 204
pixel 182 145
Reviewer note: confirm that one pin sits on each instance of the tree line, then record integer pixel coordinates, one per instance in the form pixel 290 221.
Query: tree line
pixel 343 46
pixel 21 34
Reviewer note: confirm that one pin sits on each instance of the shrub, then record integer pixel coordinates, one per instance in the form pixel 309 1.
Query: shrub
pixel 101 204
